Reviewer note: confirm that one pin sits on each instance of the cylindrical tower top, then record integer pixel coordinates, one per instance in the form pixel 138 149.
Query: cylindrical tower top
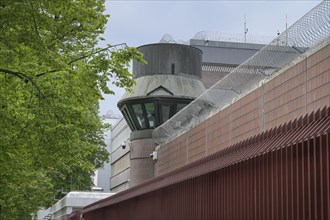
pixel 169 59
pixel 164 86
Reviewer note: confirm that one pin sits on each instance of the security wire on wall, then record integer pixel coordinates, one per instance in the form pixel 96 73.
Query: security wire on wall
pixel 307 32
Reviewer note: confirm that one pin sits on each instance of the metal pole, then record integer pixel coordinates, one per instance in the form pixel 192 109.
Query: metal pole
pixel 245 29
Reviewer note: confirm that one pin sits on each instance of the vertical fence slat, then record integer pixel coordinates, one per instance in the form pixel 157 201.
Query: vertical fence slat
pixel 291 182
pixel 286 191
pixel 327 146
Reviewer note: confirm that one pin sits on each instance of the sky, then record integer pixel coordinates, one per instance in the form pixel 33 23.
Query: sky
pixel 143 22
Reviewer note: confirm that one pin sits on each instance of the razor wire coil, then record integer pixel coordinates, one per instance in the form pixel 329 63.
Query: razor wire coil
pixel 307 32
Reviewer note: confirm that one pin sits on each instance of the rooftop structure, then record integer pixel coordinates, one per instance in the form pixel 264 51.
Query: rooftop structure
pixel 75 201
pixel 169 81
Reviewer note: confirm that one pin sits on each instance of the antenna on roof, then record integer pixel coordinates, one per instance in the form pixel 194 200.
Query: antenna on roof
pixel 245 29
pixel 286 29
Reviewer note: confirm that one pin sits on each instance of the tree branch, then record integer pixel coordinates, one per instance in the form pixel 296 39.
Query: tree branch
pixel 82 57
pixel 24 77
pixel 27 78
pixel 43 73
pixel 35 22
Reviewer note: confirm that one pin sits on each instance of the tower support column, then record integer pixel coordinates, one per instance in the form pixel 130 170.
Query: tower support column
pixel 142 164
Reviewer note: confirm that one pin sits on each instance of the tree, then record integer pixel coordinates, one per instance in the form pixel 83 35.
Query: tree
pixel 52 75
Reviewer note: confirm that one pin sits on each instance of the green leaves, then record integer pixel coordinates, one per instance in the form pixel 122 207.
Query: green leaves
pixel 52 76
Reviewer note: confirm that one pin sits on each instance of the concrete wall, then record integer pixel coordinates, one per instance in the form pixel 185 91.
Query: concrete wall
pixel 220 57
pixel 299 88
pixel 142 165
pixel 120 157
pixel 221 52
pixel 102 174
pixel 212 73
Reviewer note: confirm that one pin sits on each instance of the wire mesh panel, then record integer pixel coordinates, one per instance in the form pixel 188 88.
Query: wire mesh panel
pixel 307 32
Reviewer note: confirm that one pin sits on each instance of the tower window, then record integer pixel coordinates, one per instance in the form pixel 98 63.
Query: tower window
pixel 149 113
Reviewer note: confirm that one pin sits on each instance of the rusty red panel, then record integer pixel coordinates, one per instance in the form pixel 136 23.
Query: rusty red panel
pixel 75 215
pixel 279 174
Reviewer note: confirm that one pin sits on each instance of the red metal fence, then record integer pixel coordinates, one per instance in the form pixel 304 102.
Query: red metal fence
pixel 280 174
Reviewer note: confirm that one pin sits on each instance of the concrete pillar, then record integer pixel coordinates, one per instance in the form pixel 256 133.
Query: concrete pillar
pixel 142 165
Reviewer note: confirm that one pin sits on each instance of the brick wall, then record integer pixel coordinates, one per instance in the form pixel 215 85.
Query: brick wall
pixel 298 89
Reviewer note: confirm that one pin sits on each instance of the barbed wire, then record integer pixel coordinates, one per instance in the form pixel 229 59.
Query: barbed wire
pixel 218 36
pixel 233 37
pixel 307 32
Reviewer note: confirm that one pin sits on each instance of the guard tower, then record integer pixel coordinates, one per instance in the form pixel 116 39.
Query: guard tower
pixel 167 83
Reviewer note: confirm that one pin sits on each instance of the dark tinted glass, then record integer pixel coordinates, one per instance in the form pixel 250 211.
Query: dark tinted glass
pixel 151 116
pixel 166 110
pixel 137 108
pixel 180 106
